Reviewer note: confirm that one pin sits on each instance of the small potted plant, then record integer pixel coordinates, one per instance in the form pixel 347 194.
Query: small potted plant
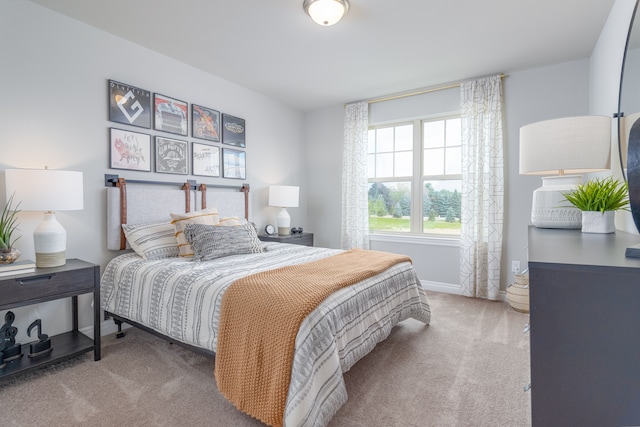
pixel 8 225
pixel 598 199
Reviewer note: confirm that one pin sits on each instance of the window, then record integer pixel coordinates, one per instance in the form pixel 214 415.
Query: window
pixel 415 177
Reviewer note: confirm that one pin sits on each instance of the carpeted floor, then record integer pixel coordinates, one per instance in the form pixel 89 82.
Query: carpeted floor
pixel 468 368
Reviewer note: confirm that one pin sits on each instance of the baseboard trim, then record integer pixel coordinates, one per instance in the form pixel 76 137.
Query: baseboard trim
pixel 446 288
pixel 449 288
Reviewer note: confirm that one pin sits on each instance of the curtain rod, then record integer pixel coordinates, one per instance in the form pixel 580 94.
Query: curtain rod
pixel 420 92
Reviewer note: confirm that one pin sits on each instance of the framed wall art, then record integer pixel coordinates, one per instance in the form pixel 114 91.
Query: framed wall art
pixel 170 115
pixel 129 105
pixel 205 159
pixel 129 150
pixel 233 130
pixel 205 123
pixel 172 156
pixel 234 164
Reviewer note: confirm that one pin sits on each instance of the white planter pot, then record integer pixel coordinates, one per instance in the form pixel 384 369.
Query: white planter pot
pixel 598 222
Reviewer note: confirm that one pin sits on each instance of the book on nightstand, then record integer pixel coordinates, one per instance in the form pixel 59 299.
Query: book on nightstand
pixel 18 267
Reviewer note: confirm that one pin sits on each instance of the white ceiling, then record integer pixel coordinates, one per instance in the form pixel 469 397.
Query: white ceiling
pixel 380 47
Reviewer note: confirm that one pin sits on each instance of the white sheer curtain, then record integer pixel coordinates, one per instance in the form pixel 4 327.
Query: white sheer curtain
pixel 355 188
pixel 482 187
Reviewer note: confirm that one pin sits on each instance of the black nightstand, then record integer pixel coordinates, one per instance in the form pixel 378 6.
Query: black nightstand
pixel 305 239
pixel 74 278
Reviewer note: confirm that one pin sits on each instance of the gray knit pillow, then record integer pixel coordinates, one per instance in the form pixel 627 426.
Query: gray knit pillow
pixel 215 241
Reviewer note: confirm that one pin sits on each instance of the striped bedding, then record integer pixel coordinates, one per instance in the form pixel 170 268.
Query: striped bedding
pixel 181 299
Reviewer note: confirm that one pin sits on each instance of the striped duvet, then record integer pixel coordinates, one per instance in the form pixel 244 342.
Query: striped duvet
pixel 181 299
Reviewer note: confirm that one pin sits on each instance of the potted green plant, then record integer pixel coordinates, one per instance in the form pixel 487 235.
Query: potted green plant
pixel 8 225
pixel 598 199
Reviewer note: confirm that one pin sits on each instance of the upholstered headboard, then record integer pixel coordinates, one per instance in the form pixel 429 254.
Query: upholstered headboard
pixel 152 201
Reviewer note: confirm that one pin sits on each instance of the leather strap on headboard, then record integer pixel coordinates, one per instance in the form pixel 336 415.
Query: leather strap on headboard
pixel 245 190
pixel 187 196
pixel 122 184
pixel 203 195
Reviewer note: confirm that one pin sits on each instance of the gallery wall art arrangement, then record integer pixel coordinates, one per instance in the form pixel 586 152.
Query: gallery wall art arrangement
pixel 131 149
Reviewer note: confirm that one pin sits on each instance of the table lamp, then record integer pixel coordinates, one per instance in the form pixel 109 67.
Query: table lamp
pixel 553 147
pixel 49 191
pixel 283 196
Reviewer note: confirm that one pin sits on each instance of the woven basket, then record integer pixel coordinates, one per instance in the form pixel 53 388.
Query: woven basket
pixel 518 294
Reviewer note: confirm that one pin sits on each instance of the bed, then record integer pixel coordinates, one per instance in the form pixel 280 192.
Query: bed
pixel 181 299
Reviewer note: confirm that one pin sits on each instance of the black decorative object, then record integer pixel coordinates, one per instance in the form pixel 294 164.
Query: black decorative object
pixel 633 181
pixel 297 230
pixel 3 344
pixel 12 350
pixel 42 346
pixel 633 172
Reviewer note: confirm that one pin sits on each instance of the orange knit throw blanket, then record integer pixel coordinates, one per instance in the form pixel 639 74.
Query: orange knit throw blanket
pixel 259 320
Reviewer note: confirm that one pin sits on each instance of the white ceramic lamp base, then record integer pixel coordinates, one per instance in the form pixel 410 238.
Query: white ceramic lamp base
pixel 50 242
pixel 284 223
pixel 550 209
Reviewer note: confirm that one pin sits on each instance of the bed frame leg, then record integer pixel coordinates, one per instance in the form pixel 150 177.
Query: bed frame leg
pixel 120 333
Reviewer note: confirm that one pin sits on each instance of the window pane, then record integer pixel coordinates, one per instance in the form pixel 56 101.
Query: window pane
pixel 371 141
pixel 384 165
pixel 404 164
pixel 454 132
pixel 404 138
pixel 371 168
pixel 441 206
pixel 384 140
pixel 453 164
pixel 390 206
pixel 434 162
pixel 433 134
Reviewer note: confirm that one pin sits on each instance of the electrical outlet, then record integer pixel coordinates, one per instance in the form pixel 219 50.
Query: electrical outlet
pixel 515 267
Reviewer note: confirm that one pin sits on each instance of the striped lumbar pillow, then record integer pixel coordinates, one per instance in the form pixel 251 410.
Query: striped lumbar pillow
pixel 208 216
pixel 152 241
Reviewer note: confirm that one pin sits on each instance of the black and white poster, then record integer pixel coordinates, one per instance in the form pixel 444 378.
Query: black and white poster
pixel 172 156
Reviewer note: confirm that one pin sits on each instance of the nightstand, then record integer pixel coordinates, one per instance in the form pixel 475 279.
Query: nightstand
pixel 305 239
pixel 74 278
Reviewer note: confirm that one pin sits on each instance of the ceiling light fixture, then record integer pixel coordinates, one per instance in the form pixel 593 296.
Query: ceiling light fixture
pixel 326 12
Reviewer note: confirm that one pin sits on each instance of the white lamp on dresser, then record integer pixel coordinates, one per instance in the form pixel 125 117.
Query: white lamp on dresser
pixel 552 148
pixel 284 196
pixel 48 191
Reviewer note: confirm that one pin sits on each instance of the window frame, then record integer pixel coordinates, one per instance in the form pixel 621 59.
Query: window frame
pixel 417 180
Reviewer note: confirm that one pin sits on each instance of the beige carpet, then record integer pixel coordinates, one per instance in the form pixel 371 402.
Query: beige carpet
pixel 468 368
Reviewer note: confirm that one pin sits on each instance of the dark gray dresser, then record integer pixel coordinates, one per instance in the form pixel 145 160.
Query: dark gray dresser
pixel 585 329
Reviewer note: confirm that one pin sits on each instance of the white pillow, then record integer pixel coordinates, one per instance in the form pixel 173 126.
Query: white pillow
pixel 208 216
pixel 152 241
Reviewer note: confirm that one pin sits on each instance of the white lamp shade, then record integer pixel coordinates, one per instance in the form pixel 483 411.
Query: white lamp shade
pixel 326 12
pixel 45 190
pixel 571 144
pixel 283 196
pixel 49 191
